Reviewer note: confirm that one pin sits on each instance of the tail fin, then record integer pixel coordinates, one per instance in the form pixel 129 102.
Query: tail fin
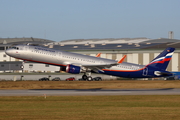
pixel 162 60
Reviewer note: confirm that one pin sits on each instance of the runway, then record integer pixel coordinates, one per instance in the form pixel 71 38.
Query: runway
pixel 89 92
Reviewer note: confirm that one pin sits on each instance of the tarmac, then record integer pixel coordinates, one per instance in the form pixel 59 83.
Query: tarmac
pixel 50 76
pixel 89 92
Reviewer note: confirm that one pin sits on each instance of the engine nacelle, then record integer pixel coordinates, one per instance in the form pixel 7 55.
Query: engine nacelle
pixel 73 69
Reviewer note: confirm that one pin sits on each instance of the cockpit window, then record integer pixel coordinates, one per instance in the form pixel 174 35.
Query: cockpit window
pixel 17 48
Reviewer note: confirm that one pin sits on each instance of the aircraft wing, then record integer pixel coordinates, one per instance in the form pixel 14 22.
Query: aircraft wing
pixel 97 68
pixel 94 67
pixel 101 66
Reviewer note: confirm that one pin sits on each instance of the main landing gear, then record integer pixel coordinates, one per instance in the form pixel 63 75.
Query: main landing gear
pixel 87 77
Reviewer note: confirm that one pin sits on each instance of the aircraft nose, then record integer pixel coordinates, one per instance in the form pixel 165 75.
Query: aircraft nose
pixel 8 52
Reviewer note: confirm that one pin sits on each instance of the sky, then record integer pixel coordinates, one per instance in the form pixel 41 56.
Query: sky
pixel 59 20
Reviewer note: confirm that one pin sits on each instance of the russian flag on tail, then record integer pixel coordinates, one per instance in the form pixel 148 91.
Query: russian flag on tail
pixel 162 60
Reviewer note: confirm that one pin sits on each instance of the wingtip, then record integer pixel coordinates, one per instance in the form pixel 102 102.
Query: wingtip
pixel 122 59
pixel 98 55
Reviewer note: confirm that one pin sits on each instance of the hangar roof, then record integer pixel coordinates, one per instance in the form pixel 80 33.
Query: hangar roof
pixel 162 40
pixel 115 44
pixel 102 41
pixel 114 41
pixel 10 41
pixel 97 44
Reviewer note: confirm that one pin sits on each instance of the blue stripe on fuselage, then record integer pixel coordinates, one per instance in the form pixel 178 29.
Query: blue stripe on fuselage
pixel 132 74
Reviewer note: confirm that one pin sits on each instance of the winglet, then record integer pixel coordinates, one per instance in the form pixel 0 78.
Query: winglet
pixel 122 59
pixel 98 55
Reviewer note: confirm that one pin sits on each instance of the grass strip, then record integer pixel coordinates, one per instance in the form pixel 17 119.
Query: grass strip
pixel 114 84
pixel 146 107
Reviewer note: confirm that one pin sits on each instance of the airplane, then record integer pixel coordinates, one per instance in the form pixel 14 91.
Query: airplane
pixel 78 63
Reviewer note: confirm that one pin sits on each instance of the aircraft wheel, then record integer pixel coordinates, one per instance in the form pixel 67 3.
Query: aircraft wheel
pixel 22 67
pixel 89 78
pixel 84 77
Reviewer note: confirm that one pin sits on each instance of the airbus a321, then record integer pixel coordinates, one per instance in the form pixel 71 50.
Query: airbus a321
pixel 77 63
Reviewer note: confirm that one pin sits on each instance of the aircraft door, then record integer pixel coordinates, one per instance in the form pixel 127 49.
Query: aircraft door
pixel 59 55
pixel 27 50
pixel 145 71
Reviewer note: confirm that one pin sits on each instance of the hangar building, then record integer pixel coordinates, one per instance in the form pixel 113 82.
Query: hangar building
pixel 138 50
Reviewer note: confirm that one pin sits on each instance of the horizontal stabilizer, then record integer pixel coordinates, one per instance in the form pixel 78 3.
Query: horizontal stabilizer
pixel 164 73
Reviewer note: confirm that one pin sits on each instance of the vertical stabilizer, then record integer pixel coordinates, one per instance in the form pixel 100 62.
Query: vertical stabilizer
pixel 162 60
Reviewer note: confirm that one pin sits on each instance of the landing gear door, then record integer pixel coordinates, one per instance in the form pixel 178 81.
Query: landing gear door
pixel 145 71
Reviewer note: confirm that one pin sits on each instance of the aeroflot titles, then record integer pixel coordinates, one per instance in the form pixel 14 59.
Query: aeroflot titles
pixel 37 48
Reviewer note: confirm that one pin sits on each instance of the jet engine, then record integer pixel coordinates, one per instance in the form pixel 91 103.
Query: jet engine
pixel 73 69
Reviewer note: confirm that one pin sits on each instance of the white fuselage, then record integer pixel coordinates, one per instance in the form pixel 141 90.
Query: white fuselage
pixel 63 58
